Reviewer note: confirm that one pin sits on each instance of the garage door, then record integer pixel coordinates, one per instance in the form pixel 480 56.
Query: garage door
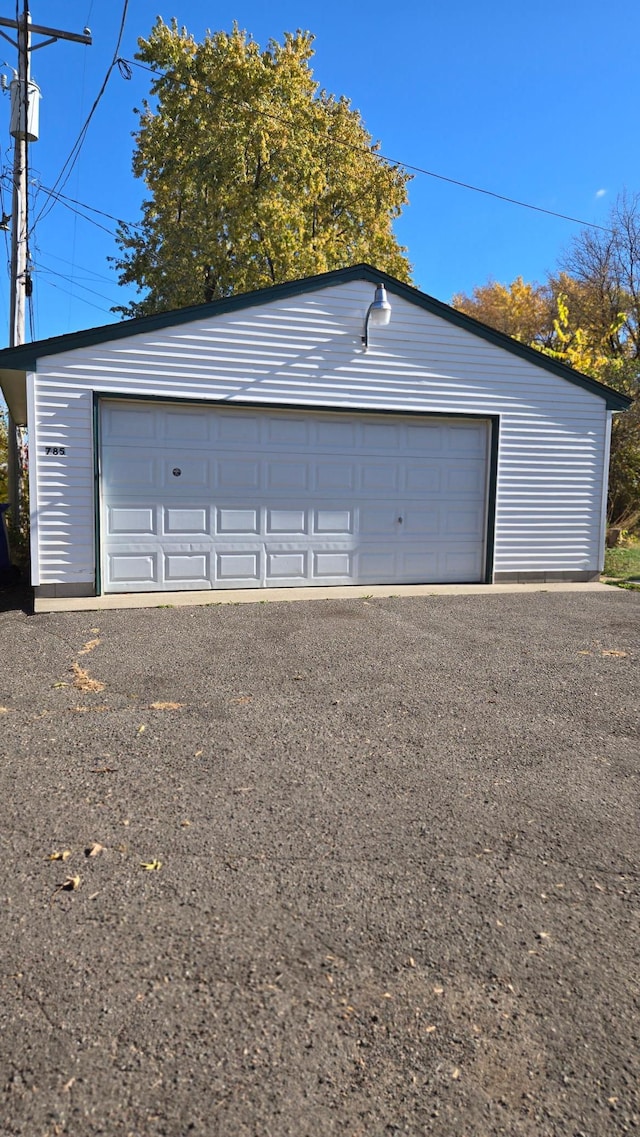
pixel 196 497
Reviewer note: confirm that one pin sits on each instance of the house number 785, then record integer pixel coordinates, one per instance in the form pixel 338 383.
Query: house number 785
pixel 61 450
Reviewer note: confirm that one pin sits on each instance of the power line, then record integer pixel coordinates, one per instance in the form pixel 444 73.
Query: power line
pixel 43 268
pixel 91 275
pixel 75 296
pixel 74 153
pixel 400 162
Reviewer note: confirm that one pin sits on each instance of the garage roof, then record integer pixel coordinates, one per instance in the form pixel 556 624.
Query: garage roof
pixel 16 361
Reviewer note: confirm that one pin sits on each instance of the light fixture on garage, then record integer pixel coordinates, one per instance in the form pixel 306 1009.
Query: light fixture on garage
pixel 378 312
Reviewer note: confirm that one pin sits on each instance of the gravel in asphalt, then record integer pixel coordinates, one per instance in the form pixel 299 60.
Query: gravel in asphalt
pixel 391 869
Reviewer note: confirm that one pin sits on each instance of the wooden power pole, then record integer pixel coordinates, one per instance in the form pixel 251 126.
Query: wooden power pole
pixel 23 131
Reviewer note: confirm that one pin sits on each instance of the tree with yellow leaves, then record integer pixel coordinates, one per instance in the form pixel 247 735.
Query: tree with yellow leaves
pixel 255 175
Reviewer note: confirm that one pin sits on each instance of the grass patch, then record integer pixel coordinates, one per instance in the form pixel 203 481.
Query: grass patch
pixel 623 564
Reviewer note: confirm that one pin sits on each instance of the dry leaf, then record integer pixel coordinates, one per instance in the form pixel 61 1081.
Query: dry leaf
pixel 615 654
pixel 429 1029
pixel 438 990
pixel 165 706
pixel 185 823
pixel 67 1086
pixel 585 653
pixel 455 1073
pixel 242 699
pixel 83 681
pixel 63 856
pixel 60 685
pixel 151 866
pixel 89 646
pixel 71 884
pixel 140 729
pixel 199 753
pixel 93 849
pixel 4 710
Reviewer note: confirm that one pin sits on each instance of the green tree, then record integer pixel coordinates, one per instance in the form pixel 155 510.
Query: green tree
pixel 255 175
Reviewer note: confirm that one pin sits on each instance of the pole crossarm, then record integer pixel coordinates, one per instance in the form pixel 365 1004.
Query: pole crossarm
pixel 55 33
pixel 19 227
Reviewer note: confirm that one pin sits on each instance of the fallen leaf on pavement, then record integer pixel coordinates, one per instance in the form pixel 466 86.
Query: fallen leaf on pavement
pixel 93 849
pixel 615 654
pixel 89 646
pixel 83 681
pixel 140 729
pixel 4 710
pixel 165 706
pixel 151 866
pixel 63 856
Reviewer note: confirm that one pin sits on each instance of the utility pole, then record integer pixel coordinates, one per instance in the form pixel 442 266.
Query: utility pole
pixel 23 131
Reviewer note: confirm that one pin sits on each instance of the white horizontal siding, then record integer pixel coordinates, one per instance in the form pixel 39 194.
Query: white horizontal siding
pixel 307 351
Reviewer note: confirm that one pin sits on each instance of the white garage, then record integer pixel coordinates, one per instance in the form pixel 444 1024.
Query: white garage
pixel 284 438
pixel 205 497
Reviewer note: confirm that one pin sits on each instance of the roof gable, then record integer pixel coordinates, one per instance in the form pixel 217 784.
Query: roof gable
pixel 24 358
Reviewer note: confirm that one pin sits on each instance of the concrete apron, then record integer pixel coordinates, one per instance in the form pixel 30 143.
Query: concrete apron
pixel 213 597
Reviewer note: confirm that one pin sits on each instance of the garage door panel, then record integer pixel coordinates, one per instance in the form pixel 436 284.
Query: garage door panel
pixel 290 565
pixel 423 479
pixel 381 519
pixel 338 435
pixel 236 522
pixel 236 427
pixel 180 426
pixel 193 521
pixel 336 564
pixel 465 439
pixel 133 568
pixel 130 522
pixel 259 498
pixel 381 477
pixel 279 521
pixel 243 567
pixel 187 567
pixel 180 472
pixel 237 474
pixel 288 431
pixel 334 521
pixel 287 475
pixel 334 476
pixel 121 468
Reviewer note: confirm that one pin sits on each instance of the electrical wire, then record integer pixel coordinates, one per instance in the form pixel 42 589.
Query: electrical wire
pixel 74 153
pixel 398 162
pixel 40 266
pixel 75 296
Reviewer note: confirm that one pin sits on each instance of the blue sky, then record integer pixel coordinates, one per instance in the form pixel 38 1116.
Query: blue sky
pixel 537 102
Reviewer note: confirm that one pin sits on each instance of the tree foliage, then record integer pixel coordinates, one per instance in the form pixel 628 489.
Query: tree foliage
pixel 587 315
pixel 255 175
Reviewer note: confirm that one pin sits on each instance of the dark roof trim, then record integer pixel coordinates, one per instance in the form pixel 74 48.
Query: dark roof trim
pixel 25 357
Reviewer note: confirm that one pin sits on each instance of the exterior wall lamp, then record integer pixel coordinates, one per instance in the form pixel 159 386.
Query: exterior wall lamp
pixel 378 312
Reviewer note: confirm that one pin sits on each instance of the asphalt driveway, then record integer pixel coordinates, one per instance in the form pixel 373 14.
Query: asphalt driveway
pixel 359 867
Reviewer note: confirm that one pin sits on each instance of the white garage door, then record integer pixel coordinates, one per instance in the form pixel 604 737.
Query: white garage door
pixel 200 497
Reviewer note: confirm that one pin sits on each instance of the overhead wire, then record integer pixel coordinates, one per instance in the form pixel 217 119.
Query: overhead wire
pixel 74 153
pixel 399 162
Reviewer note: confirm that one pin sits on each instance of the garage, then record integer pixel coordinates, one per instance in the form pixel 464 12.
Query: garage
pixel 196 497
pixel 286 438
